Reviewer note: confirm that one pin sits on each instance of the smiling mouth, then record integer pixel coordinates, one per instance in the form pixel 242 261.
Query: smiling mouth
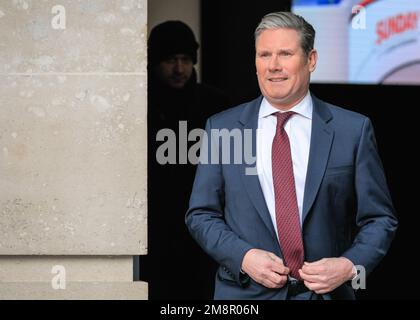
pixel 277 79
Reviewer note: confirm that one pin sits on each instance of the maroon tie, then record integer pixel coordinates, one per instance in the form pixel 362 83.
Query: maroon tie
pixel 287 213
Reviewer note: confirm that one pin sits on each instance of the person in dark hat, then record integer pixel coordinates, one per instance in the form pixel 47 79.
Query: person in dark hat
pixel 172 53
pixel 174 93
pixel 175 268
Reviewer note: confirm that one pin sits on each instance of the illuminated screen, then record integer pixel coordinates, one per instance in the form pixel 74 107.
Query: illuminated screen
pixel 370 41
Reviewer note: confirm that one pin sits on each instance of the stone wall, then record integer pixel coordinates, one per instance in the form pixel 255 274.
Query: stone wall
pixel 73 169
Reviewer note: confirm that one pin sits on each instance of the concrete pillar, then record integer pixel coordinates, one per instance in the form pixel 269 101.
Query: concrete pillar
pixel 73 173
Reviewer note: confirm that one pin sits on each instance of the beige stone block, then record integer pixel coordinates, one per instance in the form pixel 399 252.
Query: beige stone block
pixel 72 148
pixel 74 291
pixel 73 165
pixel 75 268
pixel 99 36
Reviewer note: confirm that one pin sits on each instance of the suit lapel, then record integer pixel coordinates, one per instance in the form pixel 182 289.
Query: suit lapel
pixel 321 140
pixel 251 182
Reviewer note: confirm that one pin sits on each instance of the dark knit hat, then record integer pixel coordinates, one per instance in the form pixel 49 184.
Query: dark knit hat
pixel 171 37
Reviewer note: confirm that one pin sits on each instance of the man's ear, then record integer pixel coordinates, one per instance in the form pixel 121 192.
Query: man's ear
pixel 312 59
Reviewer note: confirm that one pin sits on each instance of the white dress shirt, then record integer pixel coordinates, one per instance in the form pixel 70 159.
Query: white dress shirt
pixel 298 129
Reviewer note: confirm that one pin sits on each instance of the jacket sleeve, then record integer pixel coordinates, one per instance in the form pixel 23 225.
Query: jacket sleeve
pixel 205 216
pixel 375 213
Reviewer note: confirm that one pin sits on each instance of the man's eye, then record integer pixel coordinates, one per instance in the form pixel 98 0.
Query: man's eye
pixel 186 60
pixel 170 61
pixel 264 55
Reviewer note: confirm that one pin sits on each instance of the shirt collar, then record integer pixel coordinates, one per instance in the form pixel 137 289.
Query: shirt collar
pixel 304 108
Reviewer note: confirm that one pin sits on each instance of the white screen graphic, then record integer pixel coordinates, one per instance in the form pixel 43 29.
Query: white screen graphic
pixel 370 41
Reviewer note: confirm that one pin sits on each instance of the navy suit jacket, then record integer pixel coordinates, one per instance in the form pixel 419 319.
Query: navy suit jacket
pixel 347 208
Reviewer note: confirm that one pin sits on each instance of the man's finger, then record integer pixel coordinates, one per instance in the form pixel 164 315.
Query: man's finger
pixel 314 263
pixel 276 264
pixel 313 286
pixel 275 258
pixel 313 269
pixel 323 291
pixel 270 284
pixel 278 279
pixel 309 277
pixel 278 261
pixel 283 281
pixel 280 269
pixel 275 277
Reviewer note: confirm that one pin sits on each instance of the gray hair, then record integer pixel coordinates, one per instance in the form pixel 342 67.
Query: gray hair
pixel 289 20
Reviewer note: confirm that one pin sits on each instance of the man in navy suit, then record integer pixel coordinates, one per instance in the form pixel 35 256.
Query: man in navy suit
pixel 319 204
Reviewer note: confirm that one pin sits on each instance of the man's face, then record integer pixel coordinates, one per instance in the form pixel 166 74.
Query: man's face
pixel 175 71
pixel 283 69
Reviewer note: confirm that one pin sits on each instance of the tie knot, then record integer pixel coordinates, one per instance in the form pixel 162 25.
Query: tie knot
pixel 282 117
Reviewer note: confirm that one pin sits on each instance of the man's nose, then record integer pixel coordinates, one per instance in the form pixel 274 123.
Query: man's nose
pixel 274 64
pixel 179 66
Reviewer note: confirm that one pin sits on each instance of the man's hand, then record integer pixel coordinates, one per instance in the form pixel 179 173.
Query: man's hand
pixel 265 268
pixel 325 275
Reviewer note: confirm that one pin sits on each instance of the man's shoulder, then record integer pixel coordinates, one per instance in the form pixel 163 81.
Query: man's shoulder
pixel 341 114
pixel 233 114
